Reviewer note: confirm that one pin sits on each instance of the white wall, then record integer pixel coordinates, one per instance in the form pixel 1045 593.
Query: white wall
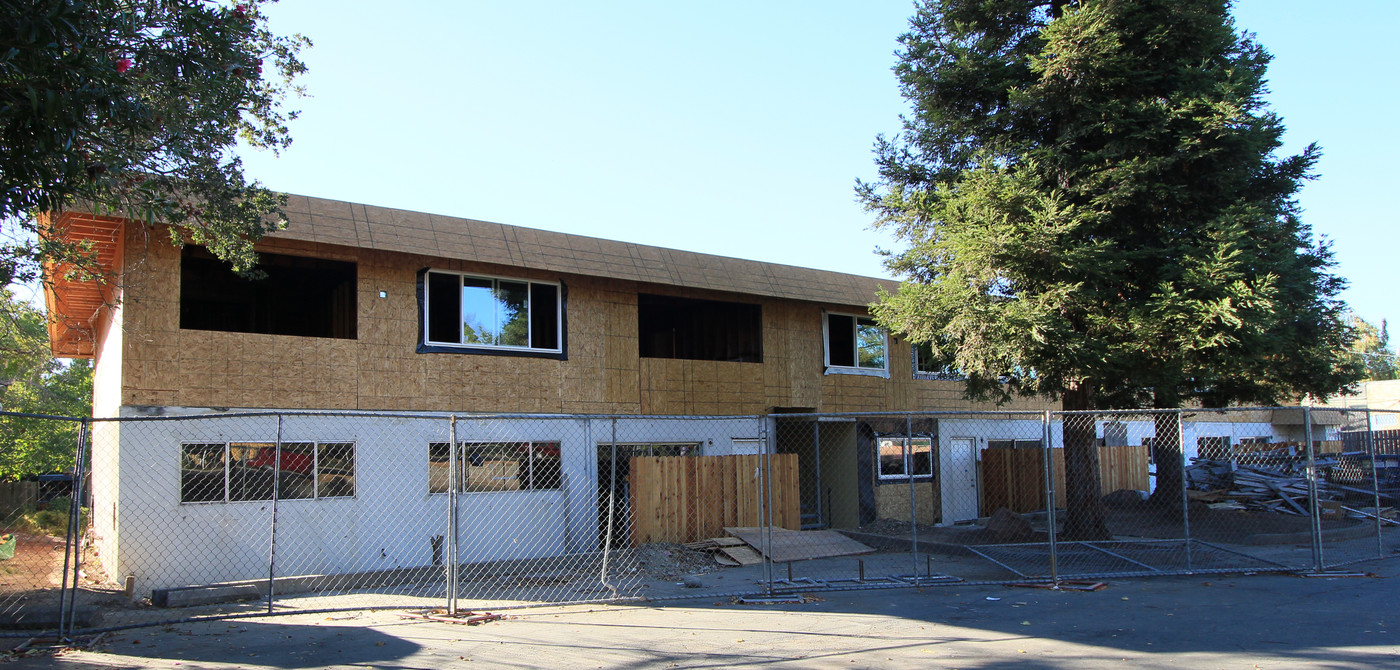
pixel 391 520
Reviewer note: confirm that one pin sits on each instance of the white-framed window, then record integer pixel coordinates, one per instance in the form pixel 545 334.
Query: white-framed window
pixel 249 471
pixel 855 345
pixel 1013 444
pixel 495 466
pixel 928 366
pixel 904 457
pixel 491 313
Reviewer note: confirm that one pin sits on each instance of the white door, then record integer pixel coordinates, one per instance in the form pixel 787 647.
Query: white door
pixel 957 480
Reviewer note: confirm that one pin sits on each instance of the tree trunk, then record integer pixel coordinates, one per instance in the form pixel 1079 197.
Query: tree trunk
pixel 1166 454
pixel 1084 518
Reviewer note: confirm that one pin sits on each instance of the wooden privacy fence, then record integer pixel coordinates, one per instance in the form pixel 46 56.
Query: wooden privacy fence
pixel 15 496
pixel 690 498
pixel 1014 478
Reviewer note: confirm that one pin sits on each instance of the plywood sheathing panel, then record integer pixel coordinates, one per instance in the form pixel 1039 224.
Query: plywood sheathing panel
pixel 782 545
pixel 382 371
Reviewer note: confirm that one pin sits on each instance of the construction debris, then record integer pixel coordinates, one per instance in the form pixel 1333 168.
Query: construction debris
pixel 462 618
pixel 748 546
pixel 1277 481
pixel 1062 585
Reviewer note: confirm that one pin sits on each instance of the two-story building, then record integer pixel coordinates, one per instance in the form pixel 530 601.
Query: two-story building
pixel 365 309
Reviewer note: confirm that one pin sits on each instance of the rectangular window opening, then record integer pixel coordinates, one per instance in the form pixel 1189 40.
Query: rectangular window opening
pixel 252 471
pixel 702 330
pixel 496 466
pixel 298 296
pixel 856 343
pixel 904 457
pixel 491 313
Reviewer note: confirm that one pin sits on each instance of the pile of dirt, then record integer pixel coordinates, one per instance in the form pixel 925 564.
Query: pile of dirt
pixel 670 562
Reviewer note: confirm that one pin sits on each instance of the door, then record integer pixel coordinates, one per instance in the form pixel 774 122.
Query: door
pixel 957 480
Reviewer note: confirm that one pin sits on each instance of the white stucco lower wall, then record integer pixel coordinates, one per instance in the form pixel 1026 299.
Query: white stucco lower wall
pixel 392 519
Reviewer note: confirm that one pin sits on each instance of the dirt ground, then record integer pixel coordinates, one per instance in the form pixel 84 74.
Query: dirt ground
pixel 38 564
pixel 1131 520
pixel 1211 525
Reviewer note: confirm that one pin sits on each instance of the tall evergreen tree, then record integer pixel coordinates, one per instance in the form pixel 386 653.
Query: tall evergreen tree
pixel 1091 208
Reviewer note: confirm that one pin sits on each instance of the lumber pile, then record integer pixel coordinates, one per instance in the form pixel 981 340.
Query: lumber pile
pixel 728 551
pixel 1268 481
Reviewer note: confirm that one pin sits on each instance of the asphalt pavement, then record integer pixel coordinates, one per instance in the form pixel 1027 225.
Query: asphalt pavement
pixel 1258 621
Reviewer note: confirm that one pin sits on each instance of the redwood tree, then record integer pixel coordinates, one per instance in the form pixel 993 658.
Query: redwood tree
pixel 1090 207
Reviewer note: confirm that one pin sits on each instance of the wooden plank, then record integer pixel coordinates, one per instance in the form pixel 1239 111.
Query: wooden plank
pixel 743 555
pixel 799 545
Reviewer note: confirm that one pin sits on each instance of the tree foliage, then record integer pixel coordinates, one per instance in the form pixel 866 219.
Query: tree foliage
pixel 34 383
pixel 1091 208
pixel 1372 347
pixel 133 108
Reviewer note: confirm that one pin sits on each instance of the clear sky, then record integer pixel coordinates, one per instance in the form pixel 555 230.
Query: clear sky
pixel 738 128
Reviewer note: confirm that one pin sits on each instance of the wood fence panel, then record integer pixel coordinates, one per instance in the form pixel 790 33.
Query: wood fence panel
pixel 1015 478
pixel 689 498
pixel 15 496
pixel 1123 468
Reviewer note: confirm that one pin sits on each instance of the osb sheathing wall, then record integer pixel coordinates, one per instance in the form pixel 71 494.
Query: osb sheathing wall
pixel 380 370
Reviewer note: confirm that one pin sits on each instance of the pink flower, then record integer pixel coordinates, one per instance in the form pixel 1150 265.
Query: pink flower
pixel 123 64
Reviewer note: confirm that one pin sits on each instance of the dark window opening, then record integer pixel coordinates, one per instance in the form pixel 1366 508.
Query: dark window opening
pixel 544 317
pixel 841 342
pixel 701 330
pixel 307 297
pixel 444 307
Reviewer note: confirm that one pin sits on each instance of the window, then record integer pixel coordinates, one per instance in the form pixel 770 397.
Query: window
pixel 854 344
pixel 1213 448
pixel 904 457
pixel 496 466
pixel 702 330
pixel 652 448
pixel 247 471
pixel 308 297
pixel 929 366
pixel 491 313
pixel 1013 444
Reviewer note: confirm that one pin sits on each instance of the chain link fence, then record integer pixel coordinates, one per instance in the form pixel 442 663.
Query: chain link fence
pixel 176 517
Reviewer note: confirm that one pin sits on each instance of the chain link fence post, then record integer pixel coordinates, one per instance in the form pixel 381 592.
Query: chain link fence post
pixel 73 542
pixel 1185 498
pixel 1048 465
pixel 272 541
pixel 913 505
pixel 766 495
pixel 453 483
pixel 1375 484
pixel 1314 508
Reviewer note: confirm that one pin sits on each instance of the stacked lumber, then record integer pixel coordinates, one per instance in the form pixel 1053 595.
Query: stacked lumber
pixel 1269 481
pixel 729 551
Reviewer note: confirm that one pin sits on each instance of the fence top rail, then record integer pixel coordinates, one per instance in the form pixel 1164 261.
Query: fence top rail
pixel 26 415
pixel 1019 413
pixel 444 416
pixel 1186 412
pixel 1189 411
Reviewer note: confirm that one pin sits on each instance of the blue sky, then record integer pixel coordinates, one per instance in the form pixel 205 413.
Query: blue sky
pixel 737 128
